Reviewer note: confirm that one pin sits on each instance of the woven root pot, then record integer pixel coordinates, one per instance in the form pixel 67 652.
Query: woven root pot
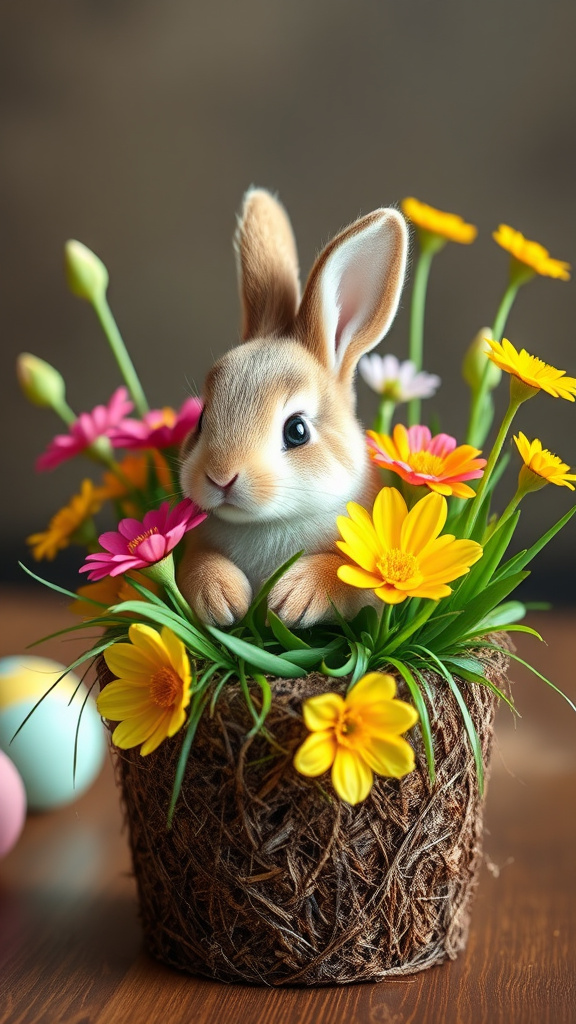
pixel 267 877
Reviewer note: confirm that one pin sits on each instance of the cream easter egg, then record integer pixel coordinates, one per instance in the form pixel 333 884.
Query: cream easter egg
pixel 12 805
pixel 43 750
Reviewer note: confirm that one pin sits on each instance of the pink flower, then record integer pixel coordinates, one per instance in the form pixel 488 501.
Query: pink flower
pixel 159 428
pixel 138 545
pixel 427 461
pixel 85 430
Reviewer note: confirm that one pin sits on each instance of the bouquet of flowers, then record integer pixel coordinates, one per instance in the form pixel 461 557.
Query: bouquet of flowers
pixel 431 555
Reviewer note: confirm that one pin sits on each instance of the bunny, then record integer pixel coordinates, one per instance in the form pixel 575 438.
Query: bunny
pixel 278 451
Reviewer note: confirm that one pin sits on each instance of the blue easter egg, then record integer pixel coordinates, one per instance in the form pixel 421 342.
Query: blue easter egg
pixel 43 750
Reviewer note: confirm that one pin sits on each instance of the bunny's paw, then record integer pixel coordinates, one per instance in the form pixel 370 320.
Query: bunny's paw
pixel 308 591
pixel 216 589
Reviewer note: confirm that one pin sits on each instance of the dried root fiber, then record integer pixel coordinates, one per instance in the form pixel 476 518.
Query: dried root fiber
pixel 267 877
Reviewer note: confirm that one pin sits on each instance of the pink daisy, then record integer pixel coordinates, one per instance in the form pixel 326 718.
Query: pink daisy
pixel 86 429
pixel 426 461
pixel 137 545
pixel 159 428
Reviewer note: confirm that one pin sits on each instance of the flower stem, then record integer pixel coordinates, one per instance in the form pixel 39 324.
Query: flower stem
pixel 120 353
pixel 384 416
pixel 474 508
pixel 417 310
pixel 383 627
pixel 479 422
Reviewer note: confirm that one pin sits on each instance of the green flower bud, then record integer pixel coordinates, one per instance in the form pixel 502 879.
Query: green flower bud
pixel 41 383
pixel 474 364
pixel 86 275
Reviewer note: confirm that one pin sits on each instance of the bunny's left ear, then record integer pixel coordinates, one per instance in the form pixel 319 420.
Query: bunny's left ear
pixel 353 291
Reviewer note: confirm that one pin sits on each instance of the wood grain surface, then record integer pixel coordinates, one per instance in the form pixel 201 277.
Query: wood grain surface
pixel 70 946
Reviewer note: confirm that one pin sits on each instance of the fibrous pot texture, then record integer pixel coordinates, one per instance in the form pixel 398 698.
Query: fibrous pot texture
pixel 267 877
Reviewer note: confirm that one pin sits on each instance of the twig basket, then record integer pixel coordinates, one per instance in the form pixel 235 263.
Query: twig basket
pixel 267 877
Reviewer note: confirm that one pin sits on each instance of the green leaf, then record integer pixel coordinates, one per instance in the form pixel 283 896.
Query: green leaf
pixel 515 657
pixel 313 656
pixel 482 680
pixel 52 586
pixel 256 656
pixel 266 703
pixel 288 640
pixel 366 621
pixel 187 633
pixel 504 614
pixel 362 662
pixel 420 705
pixel 198 705
pixel 475 744
pixel 478 608
pixel 525 557
pixel 482 572
pixel 423 615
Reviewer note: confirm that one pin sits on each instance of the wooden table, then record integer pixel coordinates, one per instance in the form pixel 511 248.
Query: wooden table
pixel 70 946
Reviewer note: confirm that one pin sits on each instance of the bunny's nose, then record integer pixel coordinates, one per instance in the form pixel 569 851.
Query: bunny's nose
pixel 222 487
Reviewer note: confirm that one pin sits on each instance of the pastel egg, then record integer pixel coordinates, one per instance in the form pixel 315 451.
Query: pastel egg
pixel 43 750
pixel 12 805
pixel 23 676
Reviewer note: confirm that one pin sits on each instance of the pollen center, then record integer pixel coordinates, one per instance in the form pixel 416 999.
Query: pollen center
pixel 425 462
pixel 398 566
pixel 165 687
pixel 347 729
pixel 134 544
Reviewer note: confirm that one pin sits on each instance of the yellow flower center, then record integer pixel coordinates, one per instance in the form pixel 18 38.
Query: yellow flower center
pixel 137 541
pixel 347 729
pixel 397 566
pixel 165 687
pixel 425 462
pixel 162 418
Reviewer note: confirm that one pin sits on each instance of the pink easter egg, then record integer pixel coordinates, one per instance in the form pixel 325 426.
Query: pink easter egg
pixel 12 805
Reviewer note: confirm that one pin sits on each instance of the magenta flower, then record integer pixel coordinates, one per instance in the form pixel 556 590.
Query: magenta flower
pixel 159 428
pixel 85 430
pixel 137 545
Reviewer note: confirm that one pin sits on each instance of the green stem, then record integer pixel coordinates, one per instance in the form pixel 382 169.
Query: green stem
pixel 475 504
pixel 65 413
pixel 383 420
pixel 509 510
pixel 120 352
pixel 477 424
pixel 383 627
pixel 417 311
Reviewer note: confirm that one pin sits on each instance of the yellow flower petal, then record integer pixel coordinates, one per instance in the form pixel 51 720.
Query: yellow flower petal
pixel 390 595
pixel 358 577
pixel 351 777
pixel 133 731
pixel 446 563
pixel 316 754
pixel 532 254
pixel 371 689
pixel 423 523
pixel 447 225
pixel 157 736
pixel 392 756
pixel 389 718
pixel 148 642
pixel 323 712
pixel 119 700
pixel 125 661
pixel 364 554
pixel 390 511
pixel 177 654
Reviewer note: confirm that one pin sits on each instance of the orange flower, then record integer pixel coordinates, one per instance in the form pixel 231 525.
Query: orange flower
pixel 447 225
pixel 531 254
pixel 427 461
pixel 136 470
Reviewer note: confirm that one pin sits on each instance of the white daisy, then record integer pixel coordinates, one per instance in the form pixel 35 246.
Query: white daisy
pixel 399 382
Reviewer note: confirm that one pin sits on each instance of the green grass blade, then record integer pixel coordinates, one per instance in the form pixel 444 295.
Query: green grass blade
pixel 526 664
pixel 420 705
pixel 288 640
pixel 525 557
pixel 478 608
pixel 47 583
pixel 409 630
pixel 256 656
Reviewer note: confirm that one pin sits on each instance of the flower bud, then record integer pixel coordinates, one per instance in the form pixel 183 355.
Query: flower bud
pixel 41 383
pixel 86 275
pixel 474 364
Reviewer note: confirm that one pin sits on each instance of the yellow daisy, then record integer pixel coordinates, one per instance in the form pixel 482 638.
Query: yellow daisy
pixel 401 554
pixel 152 690
pixel 447 225
pixel 67 522
pixel 542 464
pixel 531 254
pixel 357 735
pixel 531 370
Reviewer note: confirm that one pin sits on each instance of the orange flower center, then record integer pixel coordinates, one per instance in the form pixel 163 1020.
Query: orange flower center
pixel 165 687
pixel 133 545
pixel 163 418
pixel 347 728
pixel 425 462
pixel 397 566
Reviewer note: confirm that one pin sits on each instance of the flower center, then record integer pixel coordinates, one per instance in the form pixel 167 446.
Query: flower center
pixel 347 729
pixel 165 687
pixel 425 462
pixel 134 544
pixel 162 418
pixel 398 566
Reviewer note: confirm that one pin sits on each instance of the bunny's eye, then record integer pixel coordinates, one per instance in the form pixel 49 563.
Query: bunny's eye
pixel 296 432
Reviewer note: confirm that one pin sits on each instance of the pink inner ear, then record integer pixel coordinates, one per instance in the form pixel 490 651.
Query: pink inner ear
pixel 350 296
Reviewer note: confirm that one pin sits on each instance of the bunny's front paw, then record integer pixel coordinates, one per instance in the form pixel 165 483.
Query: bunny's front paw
pixel 216 589
pixel 304 594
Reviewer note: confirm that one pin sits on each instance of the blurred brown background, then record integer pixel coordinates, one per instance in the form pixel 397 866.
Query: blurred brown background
pixel 136 127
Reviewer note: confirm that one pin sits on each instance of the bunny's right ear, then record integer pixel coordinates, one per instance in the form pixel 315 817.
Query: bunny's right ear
pixel 267 266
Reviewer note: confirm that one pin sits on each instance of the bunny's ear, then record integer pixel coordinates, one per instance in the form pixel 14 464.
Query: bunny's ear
pixel 267 266
pixel 353 291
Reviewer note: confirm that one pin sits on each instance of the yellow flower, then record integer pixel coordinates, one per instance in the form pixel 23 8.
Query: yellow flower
pixel 110 591
pixel 400 554
pixel 152 690
pixel 136 470
pixel 531 370
pixel 447 225
pixel 542 464
pixel 531 254
pixel 66 522
pixel 357 735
